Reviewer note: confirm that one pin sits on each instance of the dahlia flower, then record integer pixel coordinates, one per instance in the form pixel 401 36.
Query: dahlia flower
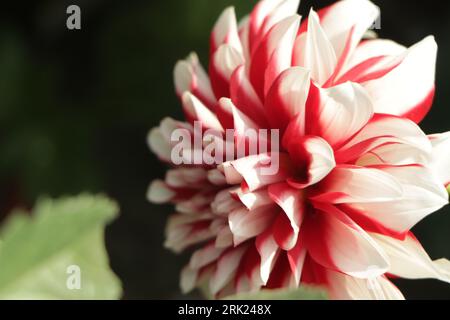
pixel 354 171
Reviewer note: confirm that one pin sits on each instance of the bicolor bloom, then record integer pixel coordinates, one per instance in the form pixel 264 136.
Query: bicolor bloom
pixel 355 174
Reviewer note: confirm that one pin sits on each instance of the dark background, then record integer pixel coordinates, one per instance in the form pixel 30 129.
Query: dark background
pixel 76 106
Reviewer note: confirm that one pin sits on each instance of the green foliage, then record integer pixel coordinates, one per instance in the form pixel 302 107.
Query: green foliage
pixel 36 251
pixel 302 293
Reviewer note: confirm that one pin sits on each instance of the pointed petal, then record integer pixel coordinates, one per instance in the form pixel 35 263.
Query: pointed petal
pixel 225 31
pixel 189 75
pixel 224 62
pixel 265 15
pixel 319 55
pixel 345 15
pixel 245 97
pixel 408 90
pixel 198 112
pixel 273 55
pixel 287 97
pixel 268 250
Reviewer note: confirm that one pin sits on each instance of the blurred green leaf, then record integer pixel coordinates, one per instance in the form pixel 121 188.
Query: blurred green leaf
pixel 36 252
pixel 302 293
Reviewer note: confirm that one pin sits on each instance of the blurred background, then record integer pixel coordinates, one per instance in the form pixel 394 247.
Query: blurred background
pixel 76 106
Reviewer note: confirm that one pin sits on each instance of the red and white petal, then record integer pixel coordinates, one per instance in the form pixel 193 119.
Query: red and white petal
pixel 370 49
pixel 342 17
pixel 314 156
pixel 336 242
pixel 273 55
pixel 349 184
pixel 408 90
pixel 205 256
pixel 248 278
pixel 183 231
pixel 340 112
pixel 244 34
pixel 409 259
pixel 196 111
pixel 245 97
pixel 258 171
pixel 190 76
pixel 268 251
pixel 344 287
pixel 265 15
pixel 393 154
pixel 224 203
pixel 225 31
pixel 224 62
pixel 383 129
pixel 281 58
pixel 287 226
pixel 286 98
pixel 296 258
pixel 318 54
pixel 423 194
pixel 226 268
pixel 253 200
pixel 245 224
pixel 440 162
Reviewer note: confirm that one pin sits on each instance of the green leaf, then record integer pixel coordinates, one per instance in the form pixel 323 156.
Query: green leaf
pixel 448 188
pixel 302 293
pixel 38 252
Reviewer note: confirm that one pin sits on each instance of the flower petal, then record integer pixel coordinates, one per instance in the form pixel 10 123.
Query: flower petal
pixel 339 112
pixel 245 224
pixel 344 287
pixel 409 259
pixel 336 242
pixel 287 97
pixel 225 60
pixel 225 31
pixel 189 75
pixel 408 90
pixel 318 54
pixel 274 54
pixel 441 156
pixel 349 184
